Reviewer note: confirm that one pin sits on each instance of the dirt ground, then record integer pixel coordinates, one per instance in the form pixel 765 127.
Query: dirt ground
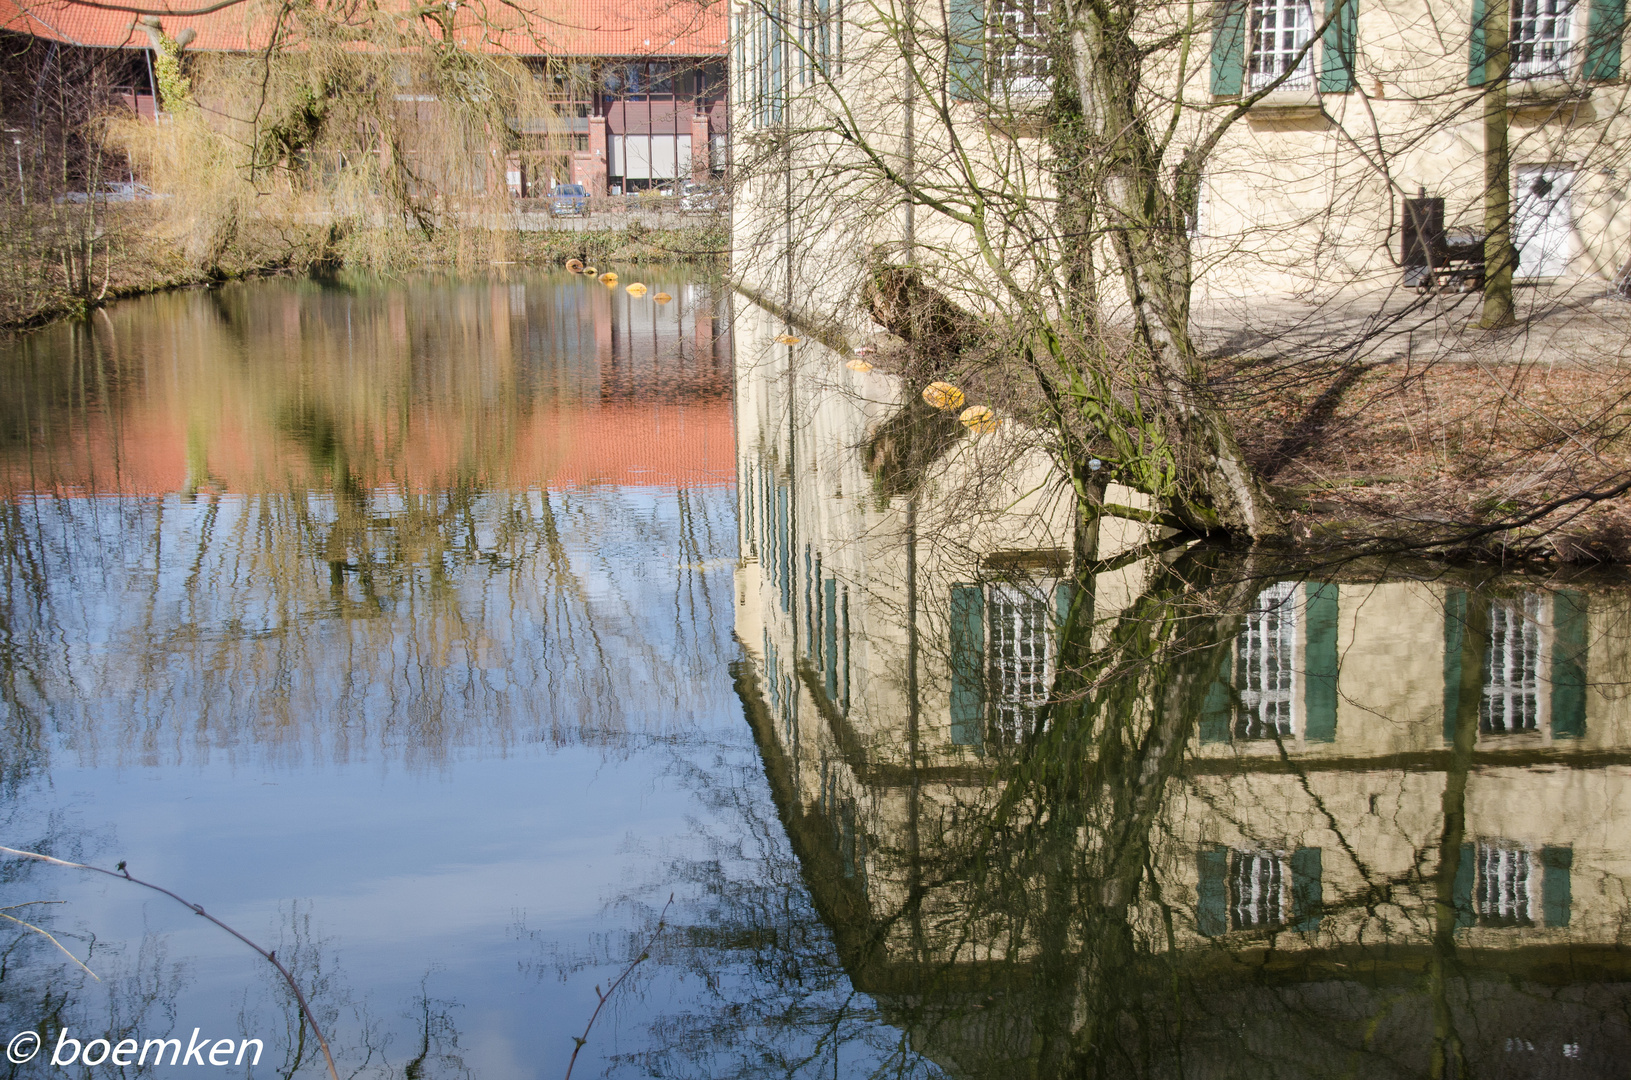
pixel 1436 431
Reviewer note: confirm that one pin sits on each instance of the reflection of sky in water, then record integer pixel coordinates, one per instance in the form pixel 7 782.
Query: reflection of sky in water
pixel 440 665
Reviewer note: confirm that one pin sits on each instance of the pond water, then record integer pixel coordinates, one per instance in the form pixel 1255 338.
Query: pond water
pixel 467 640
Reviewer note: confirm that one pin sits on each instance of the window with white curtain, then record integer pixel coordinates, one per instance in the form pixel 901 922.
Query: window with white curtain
pixel 1017 45
pixel 1280 31
pixel 1020 658
pixel 1542 31
pixel 1266 666
pixel 1257 892
pixel 1511 699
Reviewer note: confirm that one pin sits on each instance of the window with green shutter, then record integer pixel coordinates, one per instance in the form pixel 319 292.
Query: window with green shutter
pixel 1228 47
pixel 1212 892
pixel 1320 664
pixel 1475 47
pixel 1556 864
pixel 965 64
pixel 1569 641
pixel 967 665
pixel 1605 38
pixel 1307 889
pixel 1338 47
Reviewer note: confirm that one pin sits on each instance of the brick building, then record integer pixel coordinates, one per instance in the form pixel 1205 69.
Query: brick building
pixel 639 91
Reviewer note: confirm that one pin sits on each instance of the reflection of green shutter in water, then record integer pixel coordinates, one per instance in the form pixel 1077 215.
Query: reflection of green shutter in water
pixel 967 664
pixel 1569 639
pixel 830 637
pixel 1320 665
pixel 1337 48
pixel 1212 892
pixel 1228 47
pixel 1307 889
pixel 1556 863
pixel 1604 36
pixel 966 64
pixel 1461 888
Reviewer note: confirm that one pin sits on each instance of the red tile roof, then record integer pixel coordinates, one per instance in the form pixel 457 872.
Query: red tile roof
pixel 523 27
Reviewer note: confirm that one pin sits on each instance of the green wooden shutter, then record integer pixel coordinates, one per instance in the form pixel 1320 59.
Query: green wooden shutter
pixel 1228 47
pixel 1337 52
pixel 1307 890
pixel 1556 864
pixel 1455 628
pixel 965 65
pixel 1063 593
pixel 1217 710
pixel 1604 35
pixel 1461 890
pixel 1320 665
pixel 1212 892
pixel 829 629
pixel 1475 48
pixel 1569 634
pixel 967 664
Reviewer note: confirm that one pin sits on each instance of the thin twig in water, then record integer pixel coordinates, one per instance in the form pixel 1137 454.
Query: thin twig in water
pixel 645 952
pixel 197 909
pixel 46 935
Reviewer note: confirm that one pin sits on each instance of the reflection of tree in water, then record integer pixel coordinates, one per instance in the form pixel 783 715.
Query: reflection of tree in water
pixel 1041 922
pixel 134 992
pixel 378 576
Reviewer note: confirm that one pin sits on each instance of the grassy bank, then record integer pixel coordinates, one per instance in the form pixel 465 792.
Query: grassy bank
pixel 65 261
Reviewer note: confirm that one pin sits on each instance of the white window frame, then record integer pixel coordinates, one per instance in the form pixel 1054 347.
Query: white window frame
pixel 1280 29
pixel 1512 702
pixel 1542 38
pixel 1016 46
pixel 1268 667
pixel 1259 889
pixel 1507 885
pixel 1020 656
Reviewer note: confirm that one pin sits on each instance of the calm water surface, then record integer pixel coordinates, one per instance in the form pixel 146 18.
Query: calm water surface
pixel 438 632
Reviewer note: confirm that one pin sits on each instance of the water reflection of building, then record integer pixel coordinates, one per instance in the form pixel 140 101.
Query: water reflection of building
pixel 1376 771
pixel 545 381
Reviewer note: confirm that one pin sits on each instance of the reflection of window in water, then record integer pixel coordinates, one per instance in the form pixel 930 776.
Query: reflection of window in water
pixel 1506 884
pixel 1019 633
pixel 1266 665
pixel 1256 890
pixel 1512 665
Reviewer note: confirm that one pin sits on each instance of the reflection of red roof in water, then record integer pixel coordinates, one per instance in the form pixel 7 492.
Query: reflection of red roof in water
pixel 687 445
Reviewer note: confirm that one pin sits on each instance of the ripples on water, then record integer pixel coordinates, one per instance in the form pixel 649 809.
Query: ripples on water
pixel 412 627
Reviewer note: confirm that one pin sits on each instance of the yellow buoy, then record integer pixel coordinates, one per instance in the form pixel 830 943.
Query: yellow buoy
pixel 979 419
pixel 636 289
pixel 608 278
pixel 574 266
pixel 662 298
pixel 787 339
pixel 860 365
pixel 588 271
pixel 943 395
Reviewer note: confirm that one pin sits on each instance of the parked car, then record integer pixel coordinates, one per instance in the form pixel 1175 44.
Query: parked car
pixel 702 197
pixel 113 191
pixel 569 199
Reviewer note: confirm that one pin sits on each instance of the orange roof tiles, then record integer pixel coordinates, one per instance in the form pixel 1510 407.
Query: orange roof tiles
pixel 568 28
